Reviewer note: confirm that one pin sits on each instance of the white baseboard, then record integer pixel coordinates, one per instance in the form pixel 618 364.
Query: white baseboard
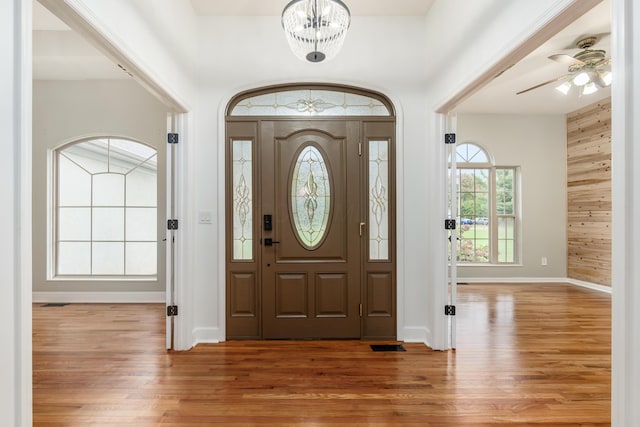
pixel 415 334
pixel 589 285
pixel 481 280
pixel 207 336
pixel 486 280
pixel 99 297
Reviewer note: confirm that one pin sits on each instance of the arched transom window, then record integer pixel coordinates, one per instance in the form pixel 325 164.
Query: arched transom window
pixel 105 209
pixel 487 208
pixel 309 101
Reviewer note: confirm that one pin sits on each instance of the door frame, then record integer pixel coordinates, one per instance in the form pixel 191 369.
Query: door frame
pixel 226 184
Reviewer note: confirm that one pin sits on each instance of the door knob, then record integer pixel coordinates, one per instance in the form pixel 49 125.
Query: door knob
pixel 269 241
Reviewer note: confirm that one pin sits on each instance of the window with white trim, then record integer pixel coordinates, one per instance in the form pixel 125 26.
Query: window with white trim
pixel 487 208
pixel 105 209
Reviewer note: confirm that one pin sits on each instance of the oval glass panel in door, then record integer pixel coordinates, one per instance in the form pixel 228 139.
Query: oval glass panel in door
pixel 310 197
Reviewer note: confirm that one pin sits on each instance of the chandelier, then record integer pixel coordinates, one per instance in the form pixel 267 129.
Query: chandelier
pixel 316 29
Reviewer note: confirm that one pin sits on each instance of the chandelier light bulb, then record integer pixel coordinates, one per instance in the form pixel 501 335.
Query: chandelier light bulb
pixel 589 88
pixel 581 79
pixel 607 78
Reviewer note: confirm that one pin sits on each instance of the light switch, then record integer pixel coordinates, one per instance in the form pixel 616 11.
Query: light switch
pixel 204 217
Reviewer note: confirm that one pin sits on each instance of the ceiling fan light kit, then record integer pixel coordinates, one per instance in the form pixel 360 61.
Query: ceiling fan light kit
pixel 316 29
pixel 589 70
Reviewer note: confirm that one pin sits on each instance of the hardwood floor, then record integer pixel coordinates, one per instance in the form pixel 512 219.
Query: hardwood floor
pixel 527 354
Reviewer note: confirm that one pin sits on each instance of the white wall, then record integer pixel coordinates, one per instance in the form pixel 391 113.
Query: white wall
pixel 157 36
pixel 15 251
pixel 625 387
pixel 374 59
pixel 64 111
pixel 538 145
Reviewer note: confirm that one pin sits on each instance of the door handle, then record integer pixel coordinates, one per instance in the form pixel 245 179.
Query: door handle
pixel 269 241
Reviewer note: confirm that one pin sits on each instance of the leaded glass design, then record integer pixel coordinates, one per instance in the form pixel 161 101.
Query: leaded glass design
pixel 309 102
pixel 379 200
pixel 242 200
pixel 310 197
pixel 106 206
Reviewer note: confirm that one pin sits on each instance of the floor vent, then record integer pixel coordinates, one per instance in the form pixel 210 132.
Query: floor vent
pixel 387 347
pixel 54 304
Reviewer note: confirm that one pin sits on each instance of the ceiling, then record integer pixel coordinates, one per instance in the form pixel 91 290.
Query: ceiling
pixel 275 7
pixel 499 96
pixel 60 54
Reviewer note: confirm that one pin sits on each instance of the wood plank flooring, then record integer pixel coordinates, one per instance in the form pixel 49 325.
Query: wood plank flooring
pixel 527 355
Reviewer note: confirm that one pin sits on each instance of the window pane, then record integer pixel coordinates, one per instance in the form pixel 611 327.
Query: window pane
pixel 141 186
pixel 74 184
pixel 506 240
pixel 504 191
pixel 74 224
pixel 73 258
pixel 242 200
pixel 108 190
pixel 141 258
pixel 310 196
pixel 141 224
pixel 90 155
pixel 108 224
pixel 108 258
pixel 379 200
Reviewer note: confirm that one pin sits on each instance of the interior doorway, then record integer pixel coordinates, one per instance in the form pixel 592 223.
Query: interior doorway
pixel 310 215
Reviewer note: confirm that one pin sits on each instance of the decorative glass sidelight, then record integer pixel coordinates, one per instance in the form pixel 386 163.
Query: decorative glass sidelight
pixel 379 200
pixel 310 196
pixel 242 200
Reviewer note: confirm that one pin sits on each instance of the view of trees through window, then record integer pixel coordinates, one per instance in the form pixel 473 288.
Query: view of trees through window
pixel 486 208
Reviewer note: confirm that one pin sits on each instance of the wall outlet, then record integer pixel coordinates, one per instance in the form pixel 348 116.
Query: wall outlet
pixel 544 261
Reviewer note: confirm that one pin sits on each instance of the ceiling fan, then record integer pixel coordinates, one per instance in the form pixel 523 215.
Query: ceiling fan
pixel 588 69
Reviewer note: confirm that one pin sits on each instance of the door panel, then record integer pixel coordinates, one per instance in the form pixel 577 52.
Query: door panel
pixel 310 183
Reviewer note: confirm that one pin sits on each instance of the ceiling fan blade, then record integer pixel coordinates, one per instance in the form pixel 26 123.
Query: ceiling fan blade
pixel 543 84
pixel 566 59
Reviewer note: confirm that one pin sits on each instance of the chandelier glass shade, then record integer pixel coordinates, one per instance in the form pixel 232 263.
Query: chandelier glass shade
pixel 316 29
pixel 587 82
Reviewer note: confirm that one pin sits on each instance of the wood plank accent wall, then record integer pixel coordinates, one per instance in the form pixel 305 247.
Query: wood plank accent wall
pixel 589 193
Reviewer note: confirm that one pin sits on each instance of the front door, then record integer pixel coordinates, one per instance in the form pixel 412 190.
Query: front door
pixel 310 217
pixel 311 238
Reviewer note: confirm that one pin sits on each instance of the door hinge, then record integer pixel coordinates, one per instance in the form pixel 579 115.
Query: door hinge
pixel 172 310
pixel 359 148
pixel 360 310
pixel 449 224
pixel 449 138
pixel 449 310
pixel 172 138
pixel 172 224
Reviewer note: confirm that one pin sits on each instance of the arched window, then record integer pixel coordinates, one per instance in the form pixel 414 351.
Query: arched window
pixel 487 208
pixel 105 209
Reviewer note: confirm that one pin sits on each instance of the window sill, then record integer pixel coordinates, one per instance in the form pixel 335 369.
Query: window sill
pixel 103 279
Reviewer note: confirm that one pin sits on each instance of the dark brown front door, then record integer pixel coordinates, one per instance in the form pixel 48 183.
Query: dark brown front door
pixel 310 193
